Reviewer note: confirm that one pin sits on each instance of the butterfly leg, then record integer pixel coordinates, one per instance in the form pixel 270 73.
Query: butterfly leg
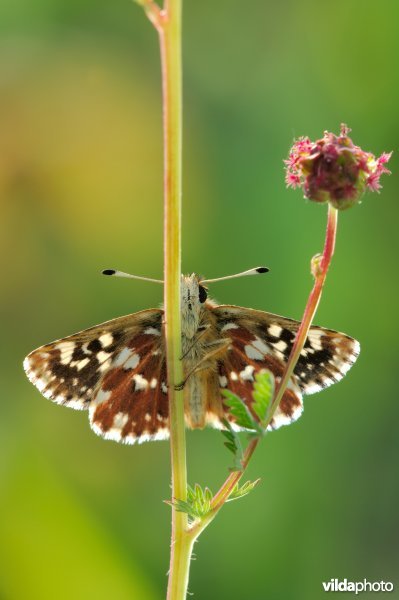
pixel 220 347
pixel 203 330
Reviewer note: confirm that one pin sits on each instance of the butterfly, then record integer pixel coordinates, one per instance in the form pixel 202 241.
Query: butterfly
pixel 117 370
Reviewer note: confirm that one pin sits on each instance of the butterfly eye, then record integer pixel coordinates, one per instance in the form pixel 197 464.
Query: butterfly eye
pixel 203 294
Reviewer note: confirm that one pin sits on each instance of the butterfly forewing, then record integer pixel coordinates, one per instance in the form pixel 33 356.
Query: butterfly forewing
pixel 83 371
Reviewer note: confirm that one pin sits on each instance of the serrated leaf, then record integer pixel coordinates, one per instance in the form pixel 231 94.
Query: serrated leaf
pixel 263 391
pixel 208 495
pixel 232 440
pixel 185 507
pixel 239 411
pixel 240 492
pixel 198 503
pixel 233 444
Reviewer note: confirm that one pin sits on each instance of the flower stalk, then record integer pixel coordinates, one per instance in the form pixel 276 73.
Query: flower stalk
pixel 320 265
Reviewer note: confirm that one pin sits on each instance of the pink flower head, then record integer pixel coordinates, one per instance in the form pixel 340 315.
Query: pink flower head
pixel 333 169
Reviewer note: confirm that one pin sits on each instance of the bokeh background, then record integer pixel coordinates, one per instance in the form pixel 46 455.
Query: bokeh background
pixel 81 189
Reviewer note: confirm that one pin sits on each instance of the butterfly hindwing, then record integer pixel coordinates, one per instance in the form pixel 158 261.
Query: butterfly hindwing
pixel 237 373
pixel 131 403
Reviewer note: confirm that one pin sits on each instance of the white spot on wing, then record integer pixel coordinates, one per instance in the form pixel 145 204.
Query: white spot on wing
pixel 316 344
pixel 100 397
pixel 223 381
pixel 252 352
pixel 132 362
pixel 275 330
pixel 106 339
pixel 122 357
pixel 102 356
pixel 314 339
pixel 247 373
pixel 229 326
pixel 280 346
pixel 140 381
pixel 120 420
pixel 260 345
pixel 82 363
pixel 152 331
pixel 66 350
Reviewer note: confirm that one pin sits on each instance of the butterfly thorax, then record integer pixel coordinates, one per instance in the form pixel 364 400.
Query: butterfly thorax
pixel 198 331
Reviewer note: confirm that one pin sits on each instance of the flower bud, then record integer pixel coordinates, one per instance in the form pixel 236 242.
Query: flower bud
pixel 333 169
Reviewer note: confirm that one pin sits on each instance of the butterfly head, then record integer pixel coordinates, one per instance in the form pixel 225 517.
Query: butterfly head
pixel 193 297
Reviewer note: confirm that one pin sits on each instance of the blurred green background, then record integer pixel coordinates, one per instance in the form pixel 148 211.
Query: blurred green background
pixel 81 188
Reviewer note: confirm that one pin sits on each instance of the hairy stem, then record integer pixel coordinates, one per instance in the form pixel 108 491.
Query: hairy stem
pixel 169 28
pixel 168 23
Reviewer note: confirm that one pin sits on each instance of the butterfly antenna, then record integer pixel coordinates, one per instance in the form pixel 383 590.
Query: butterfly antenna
pixel 255 271
pixel 115 273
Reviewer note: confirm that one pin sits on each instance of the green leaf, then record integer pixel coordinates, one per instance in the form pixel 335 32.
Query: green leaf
pixel 198 503
pixel 239 411
pixel 240 492
pixel 233 444
pixel 262 394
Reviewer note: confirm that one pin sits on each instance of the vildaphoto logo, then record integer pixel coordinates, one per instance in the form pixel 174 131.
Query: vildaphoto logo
pixel 335 585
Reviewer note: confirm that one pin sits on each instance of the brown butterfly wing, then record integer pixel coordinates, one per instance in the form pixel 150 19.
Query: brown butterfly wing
pixel 110 369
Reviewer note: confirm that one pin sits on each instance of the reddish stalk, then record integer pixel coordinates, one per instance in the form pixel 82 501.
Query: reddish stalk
pixel 320 265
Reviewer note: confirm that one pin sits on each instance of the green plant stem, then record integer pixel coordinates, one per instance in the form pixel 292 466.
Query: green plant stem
pixel 168 23
pixel 169 28
pixel 320 266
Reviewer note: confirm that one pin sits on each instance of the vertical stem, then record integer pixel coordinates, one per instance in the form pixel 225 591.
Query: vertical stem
pixel 170 42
